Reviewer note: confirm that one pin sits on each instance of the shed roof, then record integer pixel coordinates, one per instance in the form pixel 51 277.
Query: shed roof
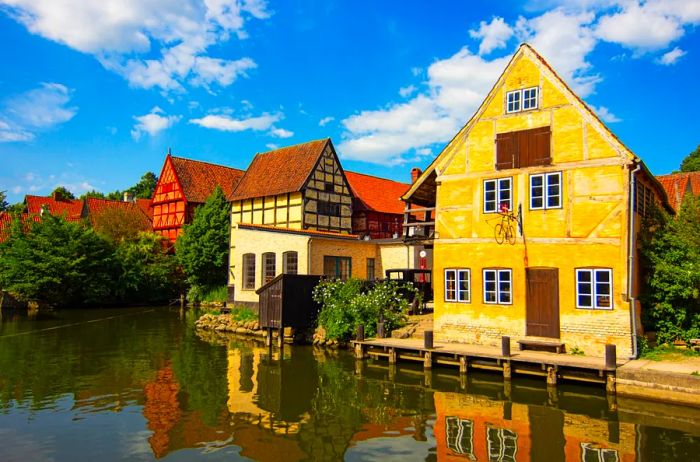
pixel 280 171
pixel 199 179
pixel 377 194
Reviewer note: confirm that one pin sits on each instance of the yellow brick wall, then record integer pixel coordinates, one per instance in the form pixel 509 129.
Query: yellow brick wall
pixel 358 251
pixel 589 230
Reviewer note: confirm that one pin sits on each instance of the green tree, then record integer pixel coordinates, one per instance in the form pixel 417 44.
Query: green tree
pixel 691 163
pixel 120 223
pixel 145 187
pixel 671 250
pixel 203 247
pixel 147 271
pixel 3 201
pixel 56 261
pixel 92 194
pixel 62 193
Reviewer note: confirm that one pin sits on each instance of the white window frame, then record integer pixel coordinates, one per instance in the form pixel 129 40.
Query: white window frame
pixel 517 99
pixel 460 296
pixel 497 289
pixel 452 272
pixel 499 190
pixel 588 449
pixel 594 292
pixel 545 191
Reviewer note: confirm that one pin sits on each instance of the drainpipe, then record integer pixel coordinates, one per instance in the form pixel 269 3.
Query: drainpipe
pixel 632 248
pixel 308 255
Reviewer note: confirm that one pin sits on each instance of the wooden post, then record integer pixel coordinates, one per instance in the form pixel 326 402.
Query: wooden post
pixel 428 339
pixel 359 351
pixel 268 337
pixel 610 385
pixel 506 370
pixel 182 301
pixel 360 333
pixel 392 372
pixel 610 357
pixel 551 376
pixel 392 356
pixel 280 337
pixel 428 378
pixel 380 329
pixel 359 368
pixel 463 365
pixel 507 389
pixel 427 360
pixel 505 346
pixel 463 382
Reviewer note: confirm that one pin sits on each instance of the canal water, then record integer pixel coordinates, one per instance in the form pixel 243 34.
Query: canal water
pixel 143 384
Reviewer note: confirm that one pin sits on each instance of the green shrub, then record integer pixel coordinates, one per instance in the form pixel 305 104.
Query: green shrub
pixel 243 314
pixel 215 294
pixel 347 304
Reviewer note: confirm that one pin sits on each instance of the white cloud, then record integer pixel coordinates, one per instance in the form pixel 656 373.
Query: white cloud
pixel 605 114
pixel 640 27
pixel 175 34
pixel 325 121
pixel 272 146
pixel 153 123
pixel 671 57
pixel 42 108
pixel 493 35
pixel 281 133
pixel 407 91
pixel 227 123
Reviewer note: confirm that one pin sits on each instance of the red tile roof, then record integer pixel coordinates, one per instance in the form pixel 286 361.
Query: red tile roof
pixel 199 179
pixel 377 194
pixel 145 206
pixel 313 232
pixel 677 185
pixel 280 171
pixel 94 207
pixel 71 209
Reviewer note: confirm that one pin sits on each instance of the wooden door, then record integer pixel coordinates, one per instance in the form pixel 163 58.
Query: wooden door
pixel 542 309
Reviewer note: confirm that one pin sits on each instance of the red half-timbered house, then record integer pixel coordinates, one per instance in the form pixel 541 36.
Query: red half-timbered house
pixel 377 209
pixel 183 185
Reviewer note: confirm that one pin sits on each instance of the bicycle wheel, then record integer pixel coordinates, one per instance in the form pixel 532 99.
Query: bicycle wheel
pixel 510 235
pixel 499 233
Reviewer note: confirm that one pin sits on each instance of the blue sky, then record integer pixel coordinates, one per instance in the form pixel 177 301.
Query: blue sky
pixel 92 94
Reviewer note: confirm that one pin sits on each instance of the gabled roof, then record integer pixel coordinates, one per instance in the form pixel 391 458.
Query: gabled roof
pixel 677 185
pixel 145 206
pixel 430 174
pixel 280 171
pixel 199 179
pixel 71 209
pixel 377 194
pixel 94 207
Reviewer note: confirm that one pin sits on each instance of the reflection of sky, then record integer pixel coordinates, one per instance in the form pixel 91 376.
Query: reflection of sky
pixel 399 448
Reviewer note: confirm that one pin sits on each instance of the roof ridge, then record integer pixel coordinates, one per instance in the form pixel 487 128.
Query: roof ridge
pixel 206 162
pixel 291 146
pixel 377 177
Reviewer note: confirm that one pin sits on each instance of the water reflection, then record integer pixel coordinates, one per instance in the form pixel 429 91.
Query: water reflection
pixel 143 386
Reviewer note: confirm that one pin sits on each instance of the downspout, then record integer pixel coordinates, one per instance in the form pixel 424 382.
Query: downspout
pixel 632 248
pixel 308 255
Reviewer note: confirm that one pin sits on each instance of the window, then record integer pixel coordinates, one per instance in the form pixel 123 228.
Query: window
pixel 594 288
pixel 591 453
pixel 328 187
pixel 459 436
pixel 290 262
pixel 521 100
pixel 269 269
pixel 328 208
pixel 502 444
pixel 545 191
pixel 249 271
pixel 523 148
pixel 498 286
pixel 643 200
pixel 496 193
pixel 457 285
pixel 370 269
pixel 337 267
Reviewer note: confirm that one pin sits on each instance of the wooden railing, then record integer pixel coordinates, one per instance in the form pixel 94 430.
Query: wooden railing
pixel 419 223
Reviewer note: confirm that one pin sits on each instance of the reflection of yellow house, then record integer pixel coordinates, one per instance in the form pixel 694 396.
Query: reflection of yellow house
pixel 534 148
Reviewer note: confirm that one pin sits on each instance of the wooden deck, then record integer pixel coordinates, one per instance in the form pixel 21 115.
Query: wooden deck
pixel 551 366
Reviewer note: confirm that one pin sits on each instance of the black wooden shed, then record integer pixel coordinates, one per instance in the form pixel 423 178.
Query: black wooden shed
pixel 287 301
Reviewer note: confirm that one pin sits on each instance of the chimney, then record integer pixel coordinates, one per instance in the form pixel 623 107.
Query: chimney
pixel 415 173
pixel 128 197
pixel 56 196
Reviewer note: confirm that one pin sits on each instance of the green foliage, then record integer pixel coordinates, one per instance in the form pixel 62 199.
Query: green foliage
pixel 203 247
pixel 668 353
pixel 243 314
pixel 56 261
pixel 215 294
pixel 92 194
pixel 347 304
pixel 576 351
pixel 19 207
pixel 147 273
pixel 62 192
pixel 691 163
pixel 3 201
pixel 141 190
pixel 671 251
pixel 120 224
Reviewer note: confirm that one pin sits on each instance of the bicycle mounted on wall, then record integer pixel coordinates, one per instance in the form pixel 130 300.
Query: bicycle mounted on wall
pixel 504 230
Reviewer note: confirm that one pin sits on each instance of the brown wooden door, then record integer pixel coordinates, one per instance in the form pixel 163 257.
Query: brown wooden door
pixel 542 310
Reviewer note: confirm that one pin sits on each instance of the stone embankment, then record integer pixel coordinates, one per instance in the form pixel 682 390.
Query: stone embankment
pixel 226 323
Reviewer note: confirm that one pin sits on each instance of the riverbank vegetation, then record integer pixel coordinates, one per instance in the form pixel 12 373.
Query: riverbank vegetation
pixel 348 304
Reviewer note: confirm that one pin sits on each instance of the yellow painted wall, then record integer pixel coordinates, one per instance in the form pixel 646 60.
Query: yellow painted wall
pixel 269 210
pixel 358 251
pixel 589 230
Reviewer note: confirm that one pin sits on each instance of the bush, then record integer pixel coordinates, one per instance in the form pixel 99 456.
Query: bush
pixel 243 314
pixel 215 294
pixel 347 304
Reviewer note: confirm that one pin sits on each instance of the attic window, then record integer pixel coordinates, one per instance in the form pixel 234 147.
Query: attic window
pixel 328 187
pixel 521 100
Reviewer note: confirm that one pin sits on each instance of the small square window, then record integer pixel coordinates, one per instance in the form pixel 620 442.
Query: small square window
pixel 594 288
pixel 497 193
pixel 522 100
pixel 545 191
pixel 530 98
pixel 513 101
pixel 498 288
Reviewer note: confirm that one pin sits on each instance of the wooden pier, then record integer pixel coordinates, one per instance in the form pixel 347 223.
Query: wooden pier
pixel 551 366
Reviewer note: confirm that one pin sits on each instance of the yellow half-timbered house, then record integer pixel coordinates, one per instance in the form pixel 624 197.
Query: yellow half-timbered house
pixel 536 205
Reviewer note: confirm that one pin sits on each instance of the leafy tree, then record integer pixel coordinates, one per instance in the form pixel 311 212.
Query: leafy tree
pixel 691 163
pixel 3 201
pixel 145 187
pixel 671 249
pixel 19 207
pixel 147 272
pixel 120 223
pixel 62 193
pixel 92 194
pixel 203 247
pixel 56 261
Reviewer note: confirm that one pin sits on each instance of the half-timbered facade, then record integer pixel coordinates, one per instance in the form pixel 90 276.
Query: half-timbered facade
pixel 377 207
pixel 184 185
pixel 537 206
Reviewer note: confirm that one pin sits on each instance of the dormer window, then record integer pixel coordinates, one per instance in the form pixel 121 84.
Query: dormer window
pixel 521 100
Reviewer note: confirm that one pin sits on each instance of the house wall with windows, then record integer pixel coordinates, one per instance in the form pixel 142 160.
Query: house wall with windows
pixel 564 273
